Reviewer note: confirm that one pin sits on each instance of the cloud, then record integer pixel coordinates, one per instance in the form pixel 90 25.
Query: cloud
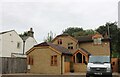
pixel 56 15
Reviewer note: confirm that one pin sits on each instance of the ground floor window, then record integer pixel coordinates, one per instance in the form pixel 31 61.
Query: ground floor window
pixel 54 60
pixel 30 60
pixel 67 58
pixel 79 58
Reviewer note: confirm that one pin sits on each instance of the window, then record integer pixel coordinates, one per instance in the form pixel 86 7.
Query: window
pixel 18 45
pixel 54 60
pixel 70 45
pixel 30 60
pixel 79 58
pixel 10 34
pixel 59 41
pixel 67 59
pixel 97 41
pixel 84 59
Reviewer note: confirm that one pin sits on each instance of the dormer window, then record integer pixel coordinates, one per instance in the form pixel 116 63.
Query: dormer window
pixel 59 41
pixel 98 41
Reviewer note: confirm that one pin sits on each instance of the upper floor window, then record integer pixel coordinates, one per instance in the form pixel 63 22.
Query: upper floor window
pixel 18 45
pixel 97 40
pixel 70 45
pixel 59 41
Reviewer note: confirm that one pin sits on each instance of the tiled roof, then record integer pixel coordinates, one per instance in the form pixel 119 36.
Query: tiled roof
pixel 64 34
pixel 6 31
pixel 83 39
pixel 85 51
pixel 57 47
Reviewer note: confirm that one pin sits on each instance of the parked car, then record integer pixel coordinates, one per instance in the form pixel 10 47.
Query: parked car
pixel 99 65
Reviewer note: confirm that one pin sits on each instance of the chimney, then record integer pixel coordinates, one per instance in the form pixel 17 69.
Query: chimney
pixel 31 33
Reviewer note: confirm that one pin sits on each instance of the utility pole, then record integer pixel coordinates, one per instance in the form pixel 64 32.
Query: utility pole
pixel 109 36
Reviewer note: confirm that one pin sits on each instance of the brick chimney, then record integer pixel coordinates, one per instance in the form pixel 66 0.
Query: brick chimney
pixel 31 33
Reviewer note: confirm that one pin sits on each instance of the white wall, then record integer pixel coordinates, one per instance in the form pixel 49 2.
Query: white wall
pixel 30 42
pixel 119 14
pixel 0 45
pixel 9 44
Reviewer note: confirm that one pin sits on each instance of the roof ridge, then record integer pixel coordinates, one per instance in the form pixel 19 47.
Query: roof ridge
pixel 6 31
pixel 59 48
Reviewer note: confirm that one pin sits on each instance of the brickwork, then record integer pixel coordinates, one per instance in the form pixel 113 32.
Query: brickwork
pixel 42 62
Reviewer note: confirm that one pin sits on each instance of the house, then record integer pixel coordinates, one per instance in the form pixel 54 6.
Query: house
pixel 11 44
pixel 81 48
pixel 96 44
pixel 48 58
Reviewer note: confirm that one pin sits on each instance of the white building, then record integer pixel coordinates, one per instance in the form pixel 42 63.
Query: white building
pixel 11 44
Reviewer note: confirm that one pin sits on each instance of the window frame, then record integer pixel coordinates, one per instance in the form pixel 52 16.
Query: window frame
pixel 70 46
pixel 30 60
pixel 59 41
pixel 54 60
pixel 84 58
pixel 97 41
pixel 18 45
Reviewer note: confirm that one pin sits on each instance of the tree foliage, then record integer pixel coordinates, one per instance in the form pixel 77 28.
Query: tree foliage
pixel 49 37
pixel 110 29
pixel 76 32
pixel 114 33
pixel 73 30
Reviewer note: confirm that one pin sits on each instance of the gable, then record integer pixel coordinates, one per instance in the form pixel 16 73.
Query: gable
pixel 64 37
pixel 38 50
pixel 82 51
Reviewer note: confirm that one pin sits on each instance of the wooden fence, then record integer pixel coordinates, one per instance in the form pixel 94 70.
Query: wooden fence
pixel 13 65
pixel 119 65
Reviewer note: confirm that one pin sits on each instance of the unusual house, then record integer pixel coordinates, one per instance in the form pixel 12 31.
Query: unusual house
pixel 77 52
pixel 48 58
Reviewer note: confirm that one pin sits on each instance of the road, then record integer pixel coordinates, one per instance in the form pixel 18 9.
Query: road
pixel 38 75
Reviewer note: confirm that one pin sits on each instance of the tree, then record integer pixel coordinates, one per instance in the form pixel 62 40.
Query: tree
pixel 118 43
pixel 49 37
pixel 90 32
pixel 112 30
pixel 76 32
pixel 72 30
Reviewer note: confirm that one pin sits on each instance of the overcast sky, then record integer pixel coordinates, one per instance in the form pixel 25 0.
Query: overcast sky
pixel 55 15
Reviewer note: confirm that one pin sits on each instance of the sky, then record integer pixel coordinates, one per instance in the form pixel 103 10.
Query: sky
pixel 55 15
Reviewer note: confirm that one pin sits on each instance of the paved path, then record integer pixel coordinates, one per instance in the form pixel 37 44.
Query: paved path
pixel 41 75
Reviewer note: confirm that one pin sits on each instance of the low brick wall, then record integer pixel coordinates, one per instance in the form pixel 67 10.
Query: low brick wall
pixel 78 67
